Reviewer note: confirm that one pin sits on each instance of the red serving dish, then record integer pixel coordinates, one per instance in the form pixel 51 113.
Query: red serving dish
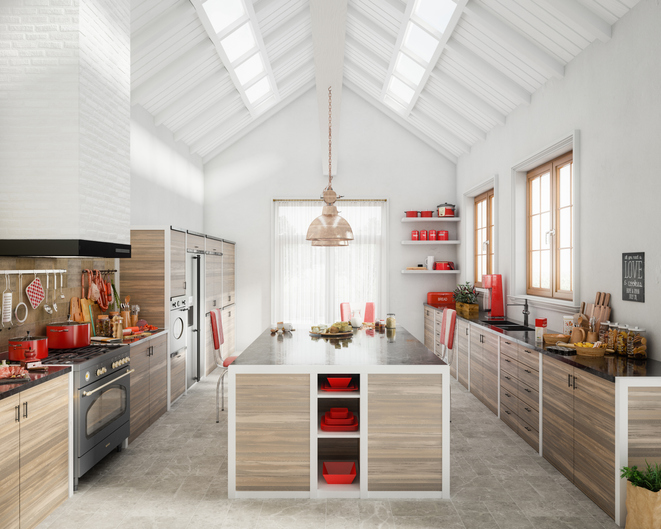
pixel 350 387
pixel 339 427
pixel 338 413
pixel 335 422
pixel 339 472
pixel 339 382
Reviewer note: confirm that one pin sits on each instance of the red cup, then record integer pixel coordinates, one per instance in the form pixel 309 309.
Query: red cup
pixel 415 235
pixel 423 235
pixel 442 235
pixel 432 235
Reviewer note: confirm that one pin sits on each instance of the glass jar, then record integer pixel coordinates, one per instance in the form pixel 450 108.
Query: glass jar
pixel 636 343
pixel 612 334
pixel 621 342
pixel 391 322
pixel 603 331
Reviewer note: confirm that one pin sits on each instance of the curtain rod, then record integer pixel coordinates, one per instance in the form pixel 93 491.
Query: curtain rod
pixel 338 200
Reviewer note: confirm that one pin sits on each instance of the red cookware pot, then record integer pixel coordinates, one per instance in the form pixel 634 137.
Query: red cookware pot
pixel 68 335
pixel 411 213
pixel 18 347
pixel 426 213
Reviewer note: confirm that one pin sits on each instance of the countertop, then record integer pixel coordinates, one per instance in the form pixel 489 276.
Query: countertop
pixel 36 378
pixel 365 347
pixel 155 334
pixel 607 367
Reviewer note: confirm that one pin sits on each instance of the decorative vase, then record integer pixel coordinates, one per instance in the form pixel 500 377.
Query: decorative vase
pixel 468 310
pixel 643 508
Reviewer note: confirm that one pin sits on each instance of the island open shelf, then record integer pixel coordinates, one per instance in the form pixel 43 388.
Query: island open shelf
pixel 276 447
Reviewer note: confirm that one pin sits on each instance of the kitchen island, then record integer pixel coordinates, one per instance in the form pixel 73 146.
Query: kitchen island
pixel 401 397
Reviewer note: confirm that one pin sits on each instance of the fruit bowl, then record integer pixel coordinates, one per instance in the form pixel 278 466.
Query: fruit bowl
pixel 339 382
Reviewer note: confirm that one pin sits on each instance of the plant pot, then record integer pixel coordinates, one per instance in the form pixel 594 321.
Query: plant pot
pixel 468 310
pixel 643 508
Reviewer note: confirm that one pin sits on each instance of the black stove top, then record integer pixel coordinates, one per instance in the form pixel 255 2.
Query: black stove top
pixel 79 355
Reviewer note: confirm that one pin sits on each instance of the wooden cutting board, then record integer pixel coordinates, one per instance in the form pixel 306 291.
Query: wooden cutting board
pixel 75 310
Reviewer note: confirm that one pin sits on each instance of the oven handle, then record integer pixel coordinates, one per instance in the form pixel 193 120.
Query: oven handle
pixel 88 393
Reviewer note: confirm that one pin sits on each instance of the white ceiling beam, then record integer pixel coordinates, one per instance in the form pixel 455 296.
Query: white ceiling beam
pixel 382 36
pixel 573 12
pixel 285 37
pixel 453 142
pixel 208 117
pixel 448 117
pixel 226 130
pixel 468 96
pixel 489 73
pixel 397 118
pixel 257 122
pixel 328 32
pixel 508 37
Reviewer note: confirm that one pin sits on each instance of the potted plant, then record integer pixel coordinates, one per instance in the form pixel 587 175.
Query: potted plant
pixel 465 297
pixel 643 496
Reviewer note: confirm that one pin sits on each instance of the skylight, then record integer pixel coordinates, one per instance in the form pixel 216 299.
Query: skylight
pixel 222 13
pixel 409 69
pixel 437 13
pixel 401 90
pixel 239 42
pixel 258 90
pixel 418 41
pixel 250 68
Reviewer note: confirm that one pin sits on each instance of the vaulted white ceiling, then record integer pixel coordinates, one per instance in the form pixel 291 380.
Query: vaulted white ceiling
pixel 492 56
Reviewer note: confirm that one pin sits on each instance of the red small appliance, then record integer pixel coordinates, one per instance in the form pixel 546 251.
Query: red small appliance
pixel 494 284
pixel 443 265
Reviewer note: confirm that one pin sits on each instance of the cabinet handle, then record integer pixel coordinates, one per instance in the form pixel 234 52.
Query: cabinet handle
pixel 230 297
pixel 528 371
pixel 466 331
pixel 214 302
pixel 574 382
pixel 508 343
pixel 526 389
pixel 508 395
pixel 507 412
pixel 529 352
pixel 18 413
pixel 25 409
pixel 508 378
pixel 568 381
pixel 528 410
pixel 527 428
pixel 184 285
pixel 506 360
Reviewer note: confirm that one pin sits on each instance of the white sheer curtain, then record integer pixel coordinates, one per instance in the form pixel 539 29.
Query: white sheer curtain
pixel 311 282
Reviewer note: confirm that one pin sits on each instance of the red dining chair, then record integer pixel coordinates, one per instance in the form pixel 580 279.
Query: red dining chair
pixel 369 312
pixel 447 338
pixel 218 340
pixel 345 311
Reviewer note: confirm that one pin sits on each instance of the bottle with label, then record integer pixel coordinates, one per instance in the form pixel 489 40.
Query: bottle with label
pixel 391 322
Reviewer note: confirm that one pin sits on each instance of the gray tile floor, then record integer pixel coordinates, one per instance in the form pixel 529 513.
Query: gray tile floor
pixel 175 476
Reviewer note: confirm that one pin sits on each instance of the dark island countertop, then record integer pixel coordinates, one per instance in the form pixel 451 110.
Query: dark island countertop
pixel 607 367
pixel 364 347
pixel 36 378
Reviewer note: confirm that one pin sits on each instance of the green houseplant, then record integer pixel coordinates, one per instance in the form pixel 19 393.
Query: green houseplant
pixel 465 297
pixel 643 496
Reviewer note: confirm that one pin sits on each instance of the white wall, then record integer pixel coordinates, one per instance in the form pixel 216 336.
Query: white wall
pixel 280 159
pixel 167 182
pixel 610 93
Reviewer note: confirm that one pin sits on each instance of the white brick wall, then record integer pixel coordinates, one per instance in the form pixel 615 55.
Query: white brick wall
pixel 64 119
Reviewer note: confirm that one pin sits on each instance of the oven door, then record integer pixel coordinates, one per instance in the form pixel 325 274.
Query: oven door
pixel 104 407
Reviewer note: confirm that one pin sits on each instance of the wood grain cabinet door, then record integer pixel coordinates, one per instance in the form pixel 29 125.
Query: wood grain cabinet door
pixel 229 257
pixel 461 338
pixel 44 447
pixel 158 384
pixel 177 263
pixel 9 462
pixel 594 439
pixel 139 389
pixel 476 364
pixel 429 328
pixel 210 357
pixel 558 416
pixel 213 281
pixel 490 371
pixel 229 331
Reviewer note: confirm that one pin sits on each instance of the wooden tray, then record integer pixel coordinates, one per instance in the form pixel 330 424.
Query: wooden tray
pixel 590 351
pixel 555 338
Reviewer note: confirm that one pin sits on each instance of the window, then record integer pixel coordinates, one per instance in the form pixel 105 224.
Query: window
pixel 311 282
pixel 550 229
pixel 484 236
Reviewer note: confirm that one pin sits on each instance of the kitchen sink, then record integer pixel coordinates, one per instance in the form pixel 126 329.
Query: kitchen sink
pixel 515 327
pixel 501 323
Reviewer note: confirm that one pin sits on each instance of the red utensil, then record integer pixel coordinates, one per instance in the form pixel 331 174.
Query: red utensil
pixel 346 420
pixel 350 387
pixel 339 472
pixel 339 427
pixel 338 413
pixel 339 382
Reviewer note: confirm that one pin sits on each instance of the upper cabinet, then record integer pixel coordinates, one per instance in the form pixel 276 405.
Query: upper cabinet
pixel 177 263
pixel 195 243
pixel 228 273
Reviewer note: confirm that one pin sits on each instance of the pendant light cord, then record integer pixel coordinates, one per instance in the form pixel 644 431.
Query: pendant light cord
pixel 330 178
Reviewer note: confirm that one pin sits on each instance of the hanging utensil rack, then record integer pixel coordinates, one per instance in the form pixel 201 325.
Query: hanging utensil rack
pixel 27 272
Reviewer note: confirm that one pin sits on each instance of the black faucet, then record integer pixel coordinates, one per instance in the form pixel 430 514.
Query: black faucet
pixel 525 310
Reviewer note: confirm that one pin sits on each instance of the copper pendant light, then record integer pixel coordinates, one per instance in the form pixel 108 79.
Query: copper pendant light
pixel 329 229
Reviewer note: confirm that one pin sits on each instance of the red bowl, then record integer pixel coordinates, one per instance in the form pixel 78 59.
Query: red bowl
pixel 339 472
pixel 339 382
pixel 336 422
pixel 411 213
pixel 338 413
pixel 426 213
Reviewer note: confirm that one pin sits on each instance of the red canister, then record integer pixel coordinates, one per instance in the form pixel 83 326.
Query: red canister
pixel 415 235
pixel 442 235
pixel 423 235
pixel 19 346
pixel 432 235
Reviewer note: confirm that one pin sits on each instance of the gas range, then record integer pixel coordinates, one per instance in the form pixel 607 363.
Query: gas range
pixel 92 362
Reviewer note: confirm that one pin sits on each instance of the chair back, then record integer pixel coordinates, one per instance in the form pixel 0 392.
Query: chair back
pixel 217 329
pixel 345 311
pixel 369 312
pixel 447 331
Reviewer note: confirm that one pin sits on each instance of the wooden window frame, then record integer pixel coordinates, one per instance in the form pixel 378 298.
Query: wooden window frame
pixel 552 167
pixel 489 197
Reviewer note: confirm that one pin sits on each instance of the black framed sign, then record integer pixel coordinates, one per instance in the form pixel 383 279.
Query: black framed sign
pixel 633 277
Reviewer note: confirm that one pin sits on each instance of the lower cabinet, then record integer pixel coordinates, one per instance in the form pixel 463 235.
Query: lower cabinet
pixel 34 461
pixel 148 384
pixel 484 367
pixel 430 315
pixel 177 374
pixel 461 338
pixel 579 429
pixel 229 331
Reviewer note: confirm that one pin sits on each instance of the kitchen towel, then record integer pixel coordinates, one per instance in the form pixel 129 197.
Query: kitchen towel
pixel 217 328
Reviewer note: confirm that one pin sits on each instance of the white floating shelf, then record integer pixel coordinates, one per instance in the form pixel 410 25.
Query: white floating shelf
pixel 420 272
pixel 321 394
pixel 429 242
pixel 430 219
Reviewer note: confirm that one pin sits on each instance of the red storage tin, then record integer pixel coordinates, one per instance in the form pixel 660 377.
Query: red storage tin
pixel 423 235
pixel 432 235
pixel 442 235
pixel 415 235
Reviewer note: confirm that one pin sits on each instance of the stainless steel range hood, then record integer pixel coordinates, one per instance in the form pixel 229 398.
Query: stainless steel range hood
pixel 62 248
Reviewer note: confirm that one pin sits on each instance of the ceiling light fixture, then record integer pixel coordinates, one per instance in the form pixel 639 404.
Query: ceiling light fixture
pixel 329 229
